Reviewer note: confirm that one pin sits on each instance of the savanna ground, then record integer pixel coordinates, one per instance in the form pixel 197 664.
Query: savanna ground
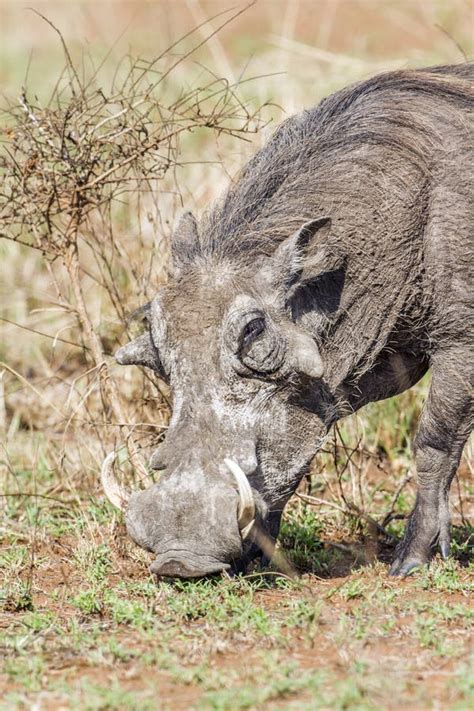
pixel 82 623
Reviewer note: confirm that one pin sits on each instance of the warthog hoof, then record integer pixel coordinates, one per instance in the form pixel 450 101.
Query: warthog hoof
pixel 424 535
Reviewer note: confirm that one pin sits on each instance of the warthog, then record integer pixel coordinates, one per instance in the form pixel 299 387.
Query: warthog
pixel 335 271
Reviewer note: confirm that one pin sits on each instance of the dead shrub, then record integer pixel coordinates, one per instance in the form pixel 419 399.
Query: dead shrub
pixel 74 170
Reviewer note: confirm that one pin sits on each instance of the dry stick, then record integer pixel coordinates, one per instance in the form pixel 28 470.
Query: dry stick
pixel 123 424
pixel 35 495
pixel 351 509
pixel 267 546
pixel 64 45
pixel 41 333
pixel 152 145
pixel 355 509
pixel 308 498
pixel 215 46
pixel 389 516
pixel 4 235
pixel 109 391
pixel 3 409
pixel 82 402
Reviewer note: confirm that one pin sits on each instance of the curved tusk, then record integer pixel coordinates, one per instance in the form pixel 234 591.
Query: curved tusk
pixel 116 494
pixel 246 517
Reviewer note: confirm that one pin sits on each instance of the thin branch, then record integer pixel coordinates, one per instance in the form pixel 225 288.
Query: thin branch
pixel 46 335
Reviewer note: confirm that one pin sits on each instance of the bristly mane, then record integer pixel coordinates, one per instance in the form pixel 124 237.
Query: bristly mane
pixel 293 175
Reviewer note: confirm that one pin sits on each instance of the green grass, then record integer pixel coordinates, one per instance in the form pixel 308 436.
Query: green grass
pixel 85 625
pixel 242 643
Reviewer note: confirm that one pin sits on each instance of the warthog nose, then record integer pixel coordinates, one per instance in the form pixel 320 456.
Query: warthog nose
pixel 184 567
pixel 176 569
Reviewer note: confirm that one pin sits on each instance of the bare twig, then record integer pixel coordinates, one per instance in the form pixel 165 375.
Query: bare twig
pixel 41 333
pixel 390 515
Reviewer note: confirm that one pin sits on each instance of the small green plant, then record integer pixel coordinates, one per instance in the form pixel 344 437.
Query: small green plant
pixel 119 652
pixel 17 596
pixel 89 602
pixel 38 621
pixel 463 685
pixel 352 590
pixel 25 670
pixel 227 605
pixel 14 558
pixel 299 537
pixel 111 697
pixel 430 634
pixel 445 576
pixel 129 610
pixel 282 681
pixel 95 561
pixel 304 613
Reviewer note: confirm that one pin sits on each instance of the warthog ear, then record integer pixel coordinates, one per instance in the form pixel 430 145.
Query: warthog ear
pixel 302 258
pixel 184 242
pixel 303 352
pixel 141 351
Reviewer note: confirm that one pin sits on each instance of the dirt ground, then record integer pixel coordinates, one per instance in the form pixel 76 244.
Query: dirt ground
pixel 90 629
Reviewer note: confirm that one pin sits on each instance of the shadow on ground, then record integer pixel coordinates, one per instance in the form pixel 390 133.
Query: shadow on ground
pixel 329 558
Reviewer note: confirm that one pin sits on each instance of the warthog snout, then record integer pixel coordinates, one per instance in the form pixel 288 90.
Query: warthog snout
pixel 182 564
pixel 195 523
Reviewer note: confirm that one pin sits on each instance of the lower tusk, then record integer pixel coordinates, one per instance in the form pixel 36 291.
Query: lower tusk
pixel 244 532
pixel 246 518
pixel 116 494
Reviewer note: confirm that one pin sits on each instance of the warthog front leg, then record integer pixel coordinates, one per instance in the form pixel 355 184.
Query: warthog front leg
pixel 445 425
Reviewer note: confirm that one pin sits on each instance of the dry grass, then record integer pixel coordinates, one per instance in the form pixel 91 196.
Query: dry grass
pixel 98 155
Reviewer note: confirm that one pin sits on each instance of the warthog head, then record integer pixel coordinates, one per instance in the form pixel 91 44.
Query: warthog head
pixel 248 412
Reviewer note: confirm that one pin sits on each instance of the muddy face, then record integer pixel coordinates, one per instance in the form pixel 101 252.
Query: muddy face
pixel 247 418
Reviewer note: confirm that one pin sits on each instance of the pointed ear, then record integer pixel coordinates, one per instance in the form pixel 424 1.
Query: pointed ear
pixel 184 242
pixel 302 257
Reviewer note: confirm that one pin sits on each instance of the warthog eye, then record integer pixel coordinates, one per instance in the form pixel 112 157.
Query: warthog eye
pixel 253 339
pixel 251 331
pixel 260 349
